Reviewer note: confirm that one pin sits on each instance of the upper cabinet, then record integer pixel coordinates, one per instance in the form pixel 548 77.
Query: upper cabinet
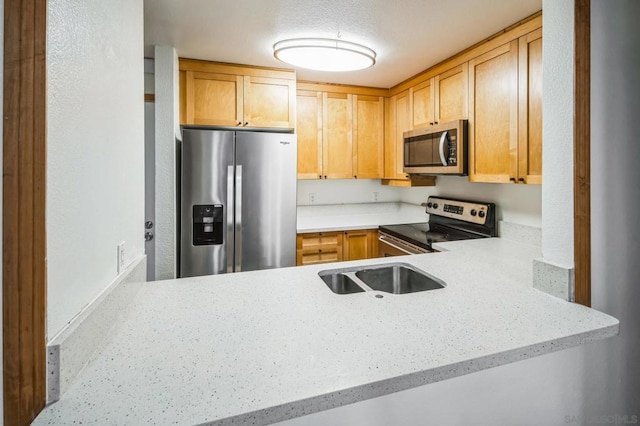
pixel 228 95
pixel 397 121
pixel 505 113
pixel 340 134
pixel 441 98
pixel 368 137
pixel 493 115
pixel 452 94
pixel 530 108
pixel 309 130
pixel 337 136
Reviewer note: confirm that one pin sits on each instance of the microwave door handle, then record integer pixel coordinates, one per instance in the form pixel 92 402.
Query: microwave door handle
pixel 444 138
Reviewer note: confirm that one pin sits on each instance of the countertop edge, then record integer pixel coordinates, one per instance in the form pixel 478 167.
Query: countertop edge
pixel 366 391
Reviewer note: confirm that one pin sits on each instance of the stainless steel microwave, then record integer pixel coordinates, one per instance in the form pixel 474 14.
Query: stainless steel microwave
pixel 437 150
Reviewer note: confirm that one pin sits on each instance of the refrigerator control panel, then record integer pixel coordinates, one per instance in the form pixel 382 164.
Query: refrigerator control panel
pixel 207 224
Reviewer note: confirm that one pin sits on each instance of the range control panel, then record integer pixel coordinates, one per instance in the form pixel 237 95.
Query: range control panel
pixel 462 210
pixel 207 224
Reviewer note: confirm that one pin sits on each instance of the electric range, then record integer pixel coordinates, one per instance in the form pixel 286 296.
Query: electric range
pixel 449 220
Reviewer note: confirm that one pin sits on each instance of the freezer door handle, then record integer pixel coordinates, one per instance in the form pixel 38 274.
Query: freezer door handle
pixel 238 224
pixel 229 242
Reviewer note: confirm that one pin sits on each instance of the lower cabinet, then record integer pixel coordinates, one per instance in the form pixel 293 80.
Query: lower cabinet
pixel 360 244
pixel 325 247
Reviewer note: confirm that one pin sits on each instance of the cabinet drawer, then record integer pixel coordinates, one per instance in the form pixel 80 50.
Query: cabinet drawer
pixel 319 240
pixel 312 257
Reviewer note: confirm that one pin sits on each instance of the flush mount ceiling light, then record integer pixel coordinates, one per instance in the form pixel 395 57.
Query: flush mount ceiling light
pixel 324 54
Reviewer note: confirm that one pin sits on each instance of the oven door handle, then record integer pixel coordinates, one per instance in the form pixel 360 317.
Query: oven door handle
pixel 402 249
pixel 444 138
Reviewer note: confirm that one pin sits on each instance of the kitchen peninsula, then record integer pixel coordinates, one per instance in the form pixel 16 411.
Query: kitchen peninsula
pixel 264 346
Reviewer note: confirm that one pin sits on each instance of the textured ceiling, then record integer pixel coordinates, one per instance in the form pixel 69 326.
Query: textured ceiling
pixel 408 35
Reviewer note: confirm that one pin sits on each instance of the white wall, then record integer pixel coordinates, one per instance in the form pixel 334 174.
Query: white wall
pixel 516 203
pixel 167 129
pixel 95 153
pixel 557 133
pixel 345 191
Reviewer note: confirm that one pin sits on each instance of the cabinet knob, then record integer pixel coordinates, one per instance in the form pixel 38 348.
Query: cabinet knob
pixel 325 176
pixel 522 180
pixel 435 122
pixel 431 123
pixel 319 176
pixel 239 123
pixel 355 177
pixel 246 123
pixel 512 179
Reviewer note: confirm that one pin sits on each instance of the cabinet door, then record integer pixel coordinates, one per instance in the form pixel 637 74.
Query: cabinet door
pixel 309 130
pixel 493 115
pixel 368 137
pixel 358 244
pixel 269 102
pixel 403 124
pixel 452 89
pixel 213 99
pixel 337 118
pixel 530 110
pixel 422 104
pixel 399 121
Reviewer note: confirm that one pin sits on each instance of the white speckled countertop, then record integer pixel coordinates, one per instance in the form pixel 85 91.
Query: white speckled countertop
pixel 342 217
pixel 264 346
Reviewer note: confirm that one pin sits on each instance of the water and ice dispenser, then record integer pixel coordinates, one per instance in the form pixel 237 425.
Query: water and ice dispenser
pixel 207 224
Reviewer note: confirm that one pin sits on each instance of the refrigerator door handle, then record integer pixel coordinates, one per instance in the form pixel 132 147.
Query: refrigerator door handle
pixel 238 224
pixel 229 239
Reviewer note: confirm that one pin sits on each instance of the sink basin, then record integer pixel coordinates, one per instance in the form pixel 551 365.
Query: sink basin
pixel 395 278
pixel 340 283
pixel 398 279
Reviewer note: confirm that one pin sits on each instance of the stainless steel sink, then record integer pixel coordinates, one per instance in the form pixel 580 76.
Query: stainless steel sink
pixel 341 283
pixel 396 278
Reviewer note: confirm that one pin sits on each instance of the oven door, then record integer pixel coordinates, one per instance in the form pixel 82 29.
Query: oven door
pixel 389 245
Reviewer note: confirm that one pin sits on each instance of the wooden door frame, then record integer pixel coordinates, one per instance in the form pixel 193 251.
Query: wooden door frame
pixel 23 232
pixel 24 186
pixel 581 152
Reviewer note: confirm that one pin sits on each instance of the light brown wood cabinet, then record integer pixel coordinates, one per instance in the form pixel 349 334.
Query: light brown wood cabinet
pixel 318 247
pixel 493 115
pixel 360 244
pixel 340 135
pixel 505 113
pixel 368 137
pixel 337 136
pixel 309 130
pixel 226 95
pixel 324 247
pixel 530 108
pixel 440 99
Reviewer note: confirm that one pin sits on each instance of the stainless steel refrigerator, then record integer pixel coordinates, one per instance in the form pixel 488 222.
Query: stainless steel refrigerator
pixel 237 201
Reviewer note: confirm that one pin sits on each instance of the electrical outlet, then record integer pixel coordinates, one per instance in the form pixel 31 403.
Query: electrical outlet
pixel 120 264
pixel 312 198
pixel 376 196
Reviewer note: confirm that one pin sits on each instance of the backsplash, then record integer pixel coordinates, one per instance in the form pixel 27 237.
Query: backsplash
pixel 519 204
pixel 345 191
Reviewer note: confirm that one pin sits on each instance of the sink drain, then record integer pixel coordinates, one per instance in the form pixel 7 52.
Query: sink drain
pixel 379 296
